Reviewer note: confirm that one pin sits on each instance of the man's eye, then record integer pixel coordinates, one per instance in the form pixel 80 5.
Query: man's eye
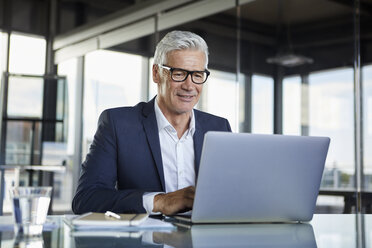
pixel 198 75
pixel 178 73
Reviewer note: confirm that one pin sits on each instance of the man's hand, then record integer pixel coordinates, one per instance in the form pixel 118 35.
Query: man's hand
pixel 175 202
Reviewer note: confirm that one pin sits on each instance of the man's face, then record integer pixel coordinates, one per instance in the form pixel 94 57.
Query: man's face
pixel 176 98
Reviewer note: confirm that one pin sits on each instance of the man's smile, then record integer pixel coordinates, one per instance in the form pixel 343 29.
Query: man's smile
pixel 186 97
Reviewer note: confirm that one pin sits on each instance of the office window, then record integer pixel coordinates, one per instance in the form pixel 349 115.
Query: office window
pixel 68 68
pixel 27 55
pixel 3 48
pixel 220 95
pixel 64 182
pixel 112 79
pixel 3 42
pixel 23 142
pixel 292 105
pixel 262 104
pixel 25 101
pixel 62 110
pixel 25 96
pixel 331 114
pixel 367 125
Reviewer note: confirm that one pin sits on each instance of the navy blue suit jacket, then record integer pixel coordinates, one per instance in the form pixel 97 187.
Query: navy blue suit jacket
pixel 125 160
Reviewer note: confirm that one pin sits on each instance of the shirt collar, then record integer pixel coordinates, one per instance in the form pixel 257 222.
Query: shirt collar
pixel 163 122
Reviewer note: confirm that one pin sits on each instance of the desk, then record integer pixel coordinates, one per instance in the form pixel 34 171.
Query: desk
pixel 324 231
pixel 29 168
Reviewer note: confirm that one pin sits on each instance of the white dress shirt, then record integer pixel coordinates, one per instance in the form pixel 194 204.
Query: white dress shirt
pixel 177 156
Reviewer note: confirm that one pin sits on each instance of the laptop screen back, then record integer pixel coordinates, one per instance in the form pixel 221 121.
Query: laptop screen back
pixel 258 178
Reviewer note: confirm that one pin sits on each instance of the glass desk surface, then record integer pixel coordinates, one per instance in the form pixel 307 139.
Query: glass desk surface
pixel 325 230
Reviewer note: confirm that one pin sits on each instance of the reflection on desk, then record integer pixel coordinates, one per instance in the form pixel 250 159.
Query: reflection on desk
pixel 241 235
pixel 95 242
pixel 263 235
pixel 324 231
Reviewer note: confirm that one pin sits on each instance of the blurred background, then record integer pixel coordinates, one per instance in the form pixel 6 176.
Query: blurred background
pixel 298 67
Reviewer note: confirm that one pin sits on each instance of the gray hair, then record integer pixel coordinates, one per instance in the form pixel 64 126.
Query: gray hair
pixel 179 40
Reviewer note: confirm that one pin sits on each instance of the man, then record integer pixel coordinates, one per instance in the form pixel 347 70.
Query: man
pixel 146 158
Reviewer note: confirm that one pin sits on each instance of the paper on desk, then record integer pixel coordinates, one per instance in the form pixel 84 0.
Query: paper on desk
pixel 148 224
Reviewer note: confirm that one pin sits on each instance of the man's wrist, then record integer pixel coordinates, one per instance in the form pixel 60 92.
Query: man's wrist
pixel 148 202
pixel 158 203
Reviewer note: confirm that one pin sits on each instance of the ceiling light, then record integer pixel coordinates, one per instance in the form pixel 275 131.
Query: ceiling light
pixel 289 60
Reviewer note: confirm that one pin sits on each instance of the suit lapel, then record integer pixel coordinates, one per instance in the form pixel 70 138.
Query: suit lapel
pixel 151 129
pixel 198 143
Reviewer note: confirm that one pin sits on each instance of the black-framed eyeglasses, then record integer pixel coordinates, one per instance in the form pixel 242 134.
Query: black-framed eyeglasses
pixel 180 75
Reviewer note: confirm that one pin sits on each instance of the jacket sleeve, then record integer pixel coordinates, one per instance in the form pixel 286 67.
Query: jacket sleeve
pixel 96 191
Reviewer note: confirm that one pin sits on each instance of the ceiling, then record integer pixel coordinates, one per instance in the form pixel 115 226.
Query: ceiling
pixel 320 29
pixel 288 12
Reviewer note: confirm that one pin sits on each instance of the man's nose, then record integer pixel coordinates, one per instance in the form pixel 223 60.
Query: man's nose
pixel 188 84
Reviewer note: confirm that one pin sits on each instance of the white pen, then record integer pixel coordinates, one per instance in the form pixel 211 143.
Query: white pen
pixel 112 214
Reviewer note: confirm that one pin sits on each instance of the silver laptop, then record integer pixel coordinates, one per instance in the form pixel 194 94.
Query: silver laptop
pixel 258 178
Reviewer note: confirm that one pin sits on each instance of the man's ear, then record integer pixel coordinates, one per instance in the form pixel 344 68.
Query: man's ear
pixel 155 74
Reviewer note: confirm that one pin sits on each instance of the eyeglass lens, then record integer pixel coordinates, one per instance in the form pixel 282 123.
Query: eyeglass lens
pixel 197 76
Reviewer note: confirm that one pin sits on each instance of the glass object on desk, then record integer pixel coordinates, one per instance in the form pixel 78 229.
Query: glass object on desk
pixel 30 208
